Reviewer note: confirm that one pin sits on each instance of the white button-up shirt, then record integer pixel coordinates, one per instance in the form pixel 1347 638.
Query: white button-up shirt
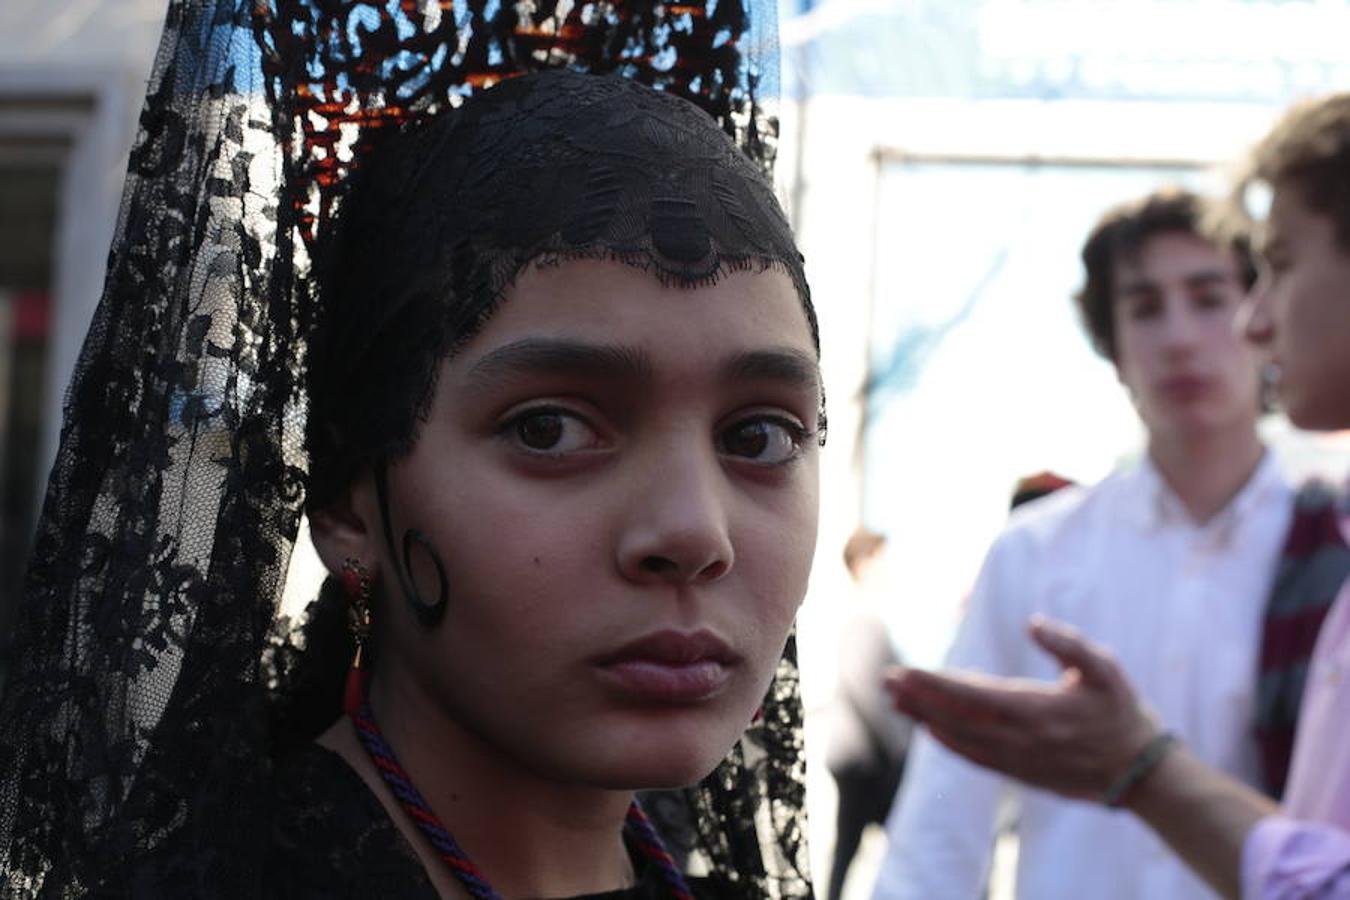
pixel 1181 605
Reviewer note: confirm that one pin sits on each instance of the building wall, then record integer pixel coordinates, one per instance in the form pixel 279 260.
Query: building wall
pixel 76 73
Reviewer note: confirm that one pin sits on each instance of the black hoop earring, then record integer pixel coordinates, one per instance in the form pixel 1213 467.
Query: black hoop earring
pixel 428 615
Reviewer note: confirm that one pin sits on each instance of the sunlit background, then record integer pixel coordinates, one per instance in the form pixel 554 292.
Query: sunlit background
pixel 942 161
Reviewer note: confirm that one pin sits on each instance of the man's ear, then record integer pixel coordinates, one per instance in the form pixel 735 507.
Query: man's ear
pixel 348 527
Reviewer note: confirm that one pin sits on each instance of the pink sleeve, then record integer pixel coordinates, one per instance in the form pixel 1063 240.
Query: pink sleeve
pixel 1286 859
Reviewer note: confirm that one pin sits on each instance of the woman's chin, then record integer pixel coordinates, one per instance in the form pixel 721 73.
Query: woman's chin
pixel 651 775
pixel 654 757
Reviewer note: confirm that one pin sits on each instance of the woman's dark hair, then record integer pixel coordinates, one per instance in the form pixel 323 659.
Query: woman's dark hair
pixel 1123 230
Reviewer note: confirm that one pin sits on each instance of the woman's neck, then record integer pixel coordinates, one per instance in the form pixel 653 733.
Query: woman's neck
pixel 530 836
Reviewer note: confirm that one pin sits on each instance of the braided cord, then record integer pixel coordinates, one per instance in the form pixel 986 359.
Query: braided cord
pixel 394 775
pixel 382 755
pixel 649 843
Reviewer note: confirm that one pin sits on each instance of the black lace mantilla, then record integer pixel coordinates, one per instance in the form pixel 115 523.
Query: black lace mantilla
pixel 341 74
pixel 134 744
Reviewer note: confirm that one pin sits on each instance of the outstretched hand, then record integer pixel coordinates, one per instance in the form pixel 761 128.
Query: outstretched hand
pixel 1074 737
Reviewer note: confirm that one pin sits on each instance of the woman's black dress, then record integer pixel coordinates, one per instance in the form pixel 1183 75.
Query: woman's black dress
pixel 333 839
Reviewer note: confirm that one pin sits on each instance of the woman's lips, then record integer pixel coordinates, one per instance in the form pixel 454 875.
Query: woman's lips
pixel 667 682
pixel 670 667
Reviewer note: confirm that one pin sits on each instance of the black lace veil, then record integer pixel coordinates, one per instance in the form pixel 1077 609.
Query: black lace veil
pixel 134 735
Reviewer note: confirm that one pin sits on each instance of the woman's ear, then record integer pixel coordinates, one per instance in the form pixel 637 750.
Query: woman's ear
pixel 348 527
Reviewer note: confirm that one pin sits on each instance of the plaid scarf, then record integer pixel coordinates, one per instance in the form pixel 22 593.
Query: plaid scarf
pixel 1314 564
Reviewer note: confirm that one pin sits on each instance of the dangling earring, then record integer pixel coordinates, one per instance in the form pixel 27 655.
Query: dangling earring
pixel 1270 387
pixel 356 584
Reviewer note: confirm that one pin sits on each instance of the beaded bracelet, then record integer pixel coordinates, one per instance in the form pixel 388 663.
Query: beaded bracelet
pixel 1142 764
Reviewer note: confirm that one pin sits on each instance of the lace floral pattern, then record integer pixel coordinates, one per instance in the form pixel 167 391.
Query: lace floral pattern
pixel 341 74
pixel 133 710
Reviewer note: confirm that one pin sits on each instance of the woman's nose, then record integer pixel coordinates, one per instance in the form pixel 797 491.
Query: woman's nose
pixel 677 526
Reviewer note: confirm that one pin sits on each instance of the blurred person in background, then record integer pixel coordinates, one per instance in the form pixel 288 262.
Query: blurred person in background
pixel 1170 561
pixel 1034 487
pixel 868 741
pixel 1089 736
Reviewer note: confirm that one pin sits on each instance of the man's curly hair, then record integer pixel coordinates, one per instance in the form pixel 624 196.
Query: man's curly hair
pixel 1123 230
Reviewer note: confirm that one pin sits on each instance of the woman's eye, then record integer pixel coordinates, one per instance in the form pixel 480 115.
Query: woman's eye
pixel 551 431
pixel 764 441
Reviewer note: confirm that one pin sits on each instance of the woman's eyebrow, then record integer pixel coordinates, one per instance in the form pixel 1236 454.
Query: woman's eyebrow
pixel 554 356
pixel 786 364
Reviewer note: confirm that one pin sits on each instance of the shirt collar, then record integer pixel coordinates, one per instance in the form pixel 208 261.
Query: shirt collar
pixel 1154 505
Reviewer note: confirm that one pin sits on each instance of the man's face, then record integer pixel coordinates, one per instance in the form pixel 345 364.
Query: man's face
pixel 1299 313
pixel 1188 372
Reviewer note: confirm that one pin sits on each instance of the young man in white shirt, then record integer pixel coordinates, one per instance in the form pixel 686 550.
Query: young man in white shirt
pixel 1170 563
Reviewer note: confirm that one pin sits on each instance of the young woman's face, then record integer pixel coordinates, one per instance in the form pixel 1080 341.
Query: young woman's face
pixel 621 480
